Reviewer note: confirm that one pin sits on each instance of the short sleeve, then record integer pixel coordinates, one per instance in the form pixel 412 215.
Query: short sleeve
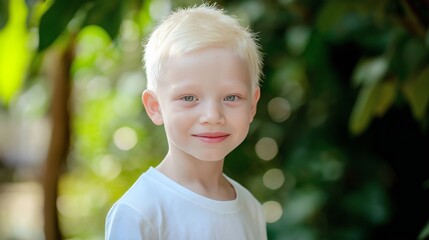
pixel 262 223
pixel 124 222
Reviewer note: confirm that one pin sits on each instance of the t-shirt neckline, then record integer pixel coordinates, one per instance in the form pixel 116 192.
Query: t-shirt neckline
pixel 227 206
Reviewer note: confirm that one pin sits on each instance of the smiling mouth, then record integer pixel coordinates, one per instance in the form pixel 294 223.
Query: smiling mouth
pixel 212 137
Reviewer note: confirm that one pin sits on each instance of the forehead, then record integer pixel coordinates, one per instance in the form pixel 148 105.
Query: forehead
pixel 217 64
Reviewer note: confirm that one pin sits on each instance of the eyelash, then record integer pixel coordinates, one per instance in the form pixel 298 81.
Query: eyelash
pixel 235 98
pixel 227 98
pixel 187 98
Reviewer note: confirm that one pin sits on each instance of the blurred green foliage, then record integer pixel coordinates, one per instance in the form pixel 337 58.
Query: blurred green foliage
pixel 344 108
pixel 13 47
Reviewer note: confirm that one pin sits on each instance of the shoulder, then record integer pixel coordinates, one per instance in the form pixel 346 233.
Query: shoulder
pixel 241 190
pixel 137 210
pixel 123 221
pixel 251 208
pixel 244 194
pixel 144 194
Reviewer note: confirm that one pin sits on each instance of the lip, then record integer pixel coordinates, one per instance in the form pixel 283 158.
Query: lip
pixel 212 137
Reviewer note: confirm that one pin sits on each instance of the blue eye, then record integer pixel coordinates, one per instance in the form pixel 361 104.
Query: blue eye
pixel 231 98
pixel 189 98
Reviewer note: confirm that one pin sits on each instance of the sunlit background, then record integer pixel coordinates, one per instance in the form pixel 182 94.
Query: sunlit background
pixel 339 148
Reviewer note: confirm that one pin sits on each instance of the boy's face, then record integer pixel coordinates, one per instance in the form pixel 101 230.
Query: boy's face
pixel 206 101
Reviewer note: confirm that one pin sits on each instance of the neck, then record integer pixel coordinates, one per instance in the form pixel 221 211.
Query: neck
pixel 203 177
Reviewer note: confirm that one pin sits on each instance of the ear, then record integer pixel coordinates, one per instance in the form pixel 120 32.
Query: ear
pixel 255 98
pixel 153 109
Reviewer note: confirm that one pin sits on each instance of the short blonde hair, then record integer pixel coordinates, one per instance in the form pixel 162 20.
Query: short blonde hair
pixel 198 27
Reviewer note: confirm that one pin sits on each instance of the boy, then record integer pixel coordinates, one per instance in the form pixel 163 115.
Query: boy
pixel 203 72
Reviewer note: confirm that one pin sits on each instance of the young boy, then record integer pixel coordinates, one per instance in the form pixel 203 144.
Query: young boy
pixel 203 72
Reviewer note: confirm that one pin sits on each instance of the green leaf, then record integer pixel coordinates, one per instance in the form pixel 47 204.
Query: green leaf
pixel 364 108
pixel 15 53
pixel 375 96
pixel 106 14
pixel 4 12
pixel 373 100
pixel 55 20
pixel 386 96
pixel 416 90
pixel 370 71
pixel 424 233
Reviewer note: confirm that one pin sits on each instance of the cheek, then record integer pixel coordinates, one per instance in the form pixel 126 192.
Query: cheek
pixel 241 117
pixel 243 112
pixel 177 121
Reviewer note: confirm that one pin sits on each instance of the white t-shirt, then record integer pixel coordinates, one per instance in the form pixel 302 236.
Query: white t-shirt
pixel 156 207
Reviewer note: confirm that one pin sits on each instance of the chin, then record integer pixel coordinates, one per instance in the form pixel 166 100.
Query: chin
pixel 211 158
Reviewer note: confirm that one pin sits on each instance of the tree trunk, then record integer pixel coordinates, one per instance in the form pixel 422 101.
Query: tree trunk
pixel 57 63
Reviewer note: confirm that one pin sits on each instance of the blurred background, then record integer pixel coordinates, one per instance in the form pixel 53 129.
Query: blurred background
pixel 339 148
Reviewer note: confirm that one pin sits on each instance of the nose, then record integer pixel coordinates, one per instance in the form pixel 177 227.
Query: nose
pixel 212 113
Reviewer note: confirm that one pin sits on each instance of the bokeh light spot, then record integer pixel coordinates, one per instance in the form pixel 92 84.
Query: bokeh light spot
pixel 266 148
pixel 273 211
pixel 297 39
pixel 108 167
pixel 125 138
pixel 273 178
pixel 279 109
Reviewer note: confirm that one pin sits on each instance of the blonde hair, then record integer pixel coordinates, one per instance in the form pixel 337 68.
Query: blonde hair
pixel 198 27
